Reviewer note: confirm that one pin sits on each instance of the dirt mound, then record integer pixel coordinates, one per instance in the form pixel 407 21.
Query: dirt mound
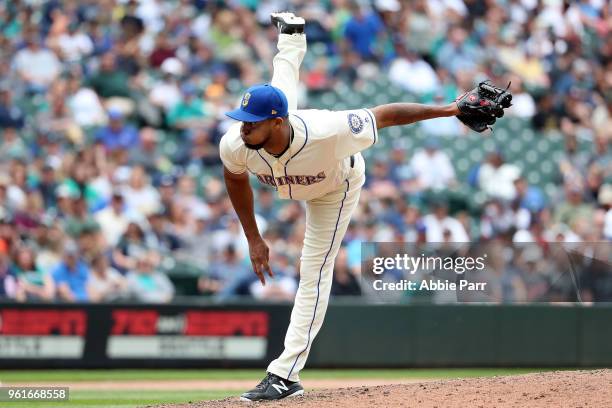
pixel 573 389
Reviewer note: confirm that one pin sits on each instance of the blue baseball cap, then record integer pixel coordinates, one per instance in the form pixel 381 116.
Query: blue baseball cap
pixel 260 102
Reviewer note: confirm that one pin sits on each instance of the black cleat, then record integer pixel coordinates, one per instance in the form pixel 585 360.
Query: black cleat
pixel 272 387
pixel 288 23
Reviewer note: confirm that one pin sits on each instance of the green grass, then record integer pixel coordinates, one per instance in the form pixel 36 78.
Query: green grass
pixel 8 376
pixel 124 399
pixel 139 398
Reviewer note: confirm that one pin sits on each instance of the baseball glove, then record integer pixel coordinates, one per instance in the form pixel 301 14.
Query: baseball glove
pixel 481 106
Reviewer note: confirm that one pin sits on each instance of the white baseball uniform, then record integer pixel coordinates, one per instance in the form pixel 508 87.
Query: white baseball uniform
pixel 322 167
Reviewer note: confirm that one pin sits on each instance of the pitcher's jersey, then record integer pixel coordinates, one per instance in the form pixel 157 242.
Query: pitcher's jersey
pixel 318 159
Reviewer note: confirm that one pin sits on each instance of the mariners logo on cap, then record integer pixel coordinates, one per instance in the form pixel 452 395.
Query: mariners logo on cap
pixel 355 123
pixel 245 100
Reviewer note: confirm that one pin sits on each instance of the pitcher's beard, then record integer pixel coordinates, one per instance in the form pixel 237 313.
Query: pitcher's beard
pixel 254 146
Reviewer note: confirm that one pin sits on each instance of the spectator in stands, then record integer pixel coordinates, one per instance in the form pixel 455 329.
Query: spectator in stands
pixel 345 283
pixel 346 71
pixel 113 219
pixel 573 164
pixel 8 283
pixel 163 50
pixel 529 196
pixel 601 156
pixel 231 233
pixel 574 207
pixel 148 154
pixel 166 93
pixel 496 177
pixel 441 227
pixel 228 276
pixel 605 201
pixel 284 284
pixel 379 180
pixel 432 167
pixel 11 115
pixel 593 182
pixel 412 72
pixel 28 218
pixel 128 46
pixel 545 118
pixel 131 244
pixel 163 240
pixel 413 226
pixel 266 206
pixel 84 104
pixel 112 84
pixel 139 194
pixel 187 196
pixel 197 247
pixel 13 146
pixel 146 283
pixel 47 184
pixel 50 246
pixel 362 31
pixel 74 45
pixel 204 151
pixel 71 275
pixel 37 67
pixel 32 282
pixel 534 273
pixel 498 219
pixel 190 111
pixel 458 53
pixel 117 134
pixel 105 284
pixel 17 186
pixel 80 219
pixel 523 105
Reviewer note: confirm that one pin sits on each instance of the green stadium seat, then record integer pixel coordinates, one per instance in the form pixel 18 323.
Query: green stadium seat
pixel 516 146
pixel 533 177
pixel 463 166
pixel 501 135
pixel 531 157
pixel 489 145
pixel 551 189
pixel 527 135
pixel 476 155
pixel 394 132
pixel 460 145
pixel 369 90
pixel 546 168
pixel 543 146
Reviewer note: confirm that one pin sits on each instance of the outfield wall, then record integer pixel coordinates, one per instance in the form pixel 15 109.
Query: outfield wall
pixel 354 335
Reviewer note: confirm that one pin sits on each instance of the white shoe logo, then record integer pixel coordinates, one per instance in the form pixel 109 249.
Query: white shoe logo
pixel 280 387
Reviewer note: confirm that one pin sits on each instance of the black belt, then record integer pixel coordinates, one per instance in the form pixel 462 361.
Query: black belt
pixel 352 161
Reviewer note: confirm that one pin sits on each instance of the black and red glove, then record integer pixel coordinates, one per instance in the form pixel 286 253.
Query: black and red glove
pixel 481 106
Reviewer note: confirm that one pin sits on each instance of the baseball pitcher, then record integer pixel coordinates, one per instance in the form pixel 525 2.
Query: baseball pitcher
pixel 314 156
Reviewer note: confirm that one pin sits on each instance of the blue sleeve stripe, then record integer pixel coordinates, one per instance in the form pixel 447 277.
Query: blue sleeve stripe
pixel 374 131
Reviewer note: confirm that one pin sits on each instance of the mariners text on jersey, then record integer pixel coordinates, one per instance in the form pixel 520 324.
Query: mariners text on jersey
pixel 318 159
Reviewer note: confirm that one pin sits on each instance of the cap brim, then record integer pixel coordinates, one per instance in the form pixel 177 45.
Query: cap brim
pixel 243 116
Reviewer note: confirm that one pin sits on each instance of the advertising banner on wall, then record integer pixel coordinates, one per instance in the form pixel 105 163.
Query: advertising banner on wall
pixel 139 335
pixel 42 333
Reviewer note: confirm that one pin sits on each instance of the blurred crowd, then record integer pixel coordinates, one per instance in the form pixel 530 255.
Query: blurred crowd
pixel 111 112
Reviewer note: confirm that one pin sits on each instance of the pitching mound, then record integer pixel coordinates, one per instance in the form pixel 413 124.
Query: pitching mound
pixel 574 389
